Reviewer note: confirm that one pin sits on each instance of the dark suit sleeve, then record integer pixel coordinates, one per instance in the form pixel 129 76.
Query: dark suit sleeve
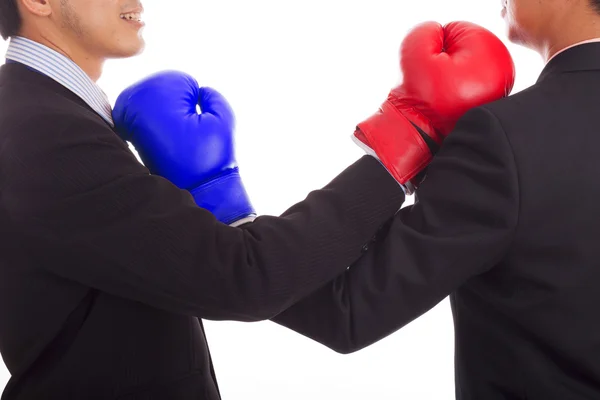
pixel 94 215
pixel 461 226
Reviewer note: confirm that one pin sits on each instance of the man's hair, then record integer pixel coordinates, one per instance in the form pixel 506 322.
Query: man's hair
pixel 10 19
pixel 596 5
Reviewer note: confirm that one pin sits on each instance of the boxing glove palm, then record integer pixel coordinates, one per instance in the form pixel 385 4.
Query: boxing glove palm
pixel 195 151
pixel 446 70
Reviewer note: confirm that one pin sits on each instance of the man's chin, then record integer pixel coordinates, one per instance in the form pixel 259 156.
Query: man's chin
pixel 513 35
pixel 130 51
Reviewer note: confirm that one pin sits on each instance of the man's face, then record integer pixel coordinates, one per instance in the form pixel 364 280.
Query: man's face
pixel 102 27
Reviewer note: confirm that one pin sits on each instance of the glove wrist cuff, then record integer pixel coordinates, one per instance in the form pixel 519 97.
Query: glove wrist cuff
pixel 225 197
pixel 396 142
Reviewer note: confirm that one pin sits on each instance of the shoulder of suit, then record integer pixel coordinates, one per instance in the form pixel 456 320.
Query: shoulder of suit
pixel 37 119
pixel 31 108
pixel 41 104
pixel 517 106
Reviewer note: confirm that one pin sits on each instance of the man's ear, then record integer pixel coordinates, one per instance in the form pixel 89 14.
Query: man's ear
pixel 40 8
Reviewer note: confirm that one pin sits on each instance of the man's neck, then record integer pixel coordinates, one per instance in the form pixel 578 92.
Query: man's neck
pixel 582 30
pixel 92 66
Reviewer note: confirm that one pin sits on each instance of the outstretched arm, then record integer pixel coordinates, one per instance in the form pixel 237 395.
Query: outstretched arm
pixel 461 226
pixel 98 217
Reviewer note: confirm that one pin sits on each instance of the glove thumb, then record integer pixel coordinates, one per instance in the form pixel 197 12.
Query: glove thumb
pixel 213 102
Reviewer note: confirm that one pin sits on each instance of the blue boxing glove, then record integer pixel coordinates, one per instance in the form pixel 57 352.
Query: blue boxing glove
pixel 195 151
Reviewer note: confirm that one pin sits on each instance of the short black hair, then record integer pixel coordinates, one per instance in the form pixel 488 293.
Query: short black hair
pixel 595 5
pixel 10 19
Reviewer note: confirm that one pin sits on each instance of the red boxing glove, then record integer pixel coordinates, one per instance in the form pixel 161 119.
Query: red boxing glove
pixel 446 70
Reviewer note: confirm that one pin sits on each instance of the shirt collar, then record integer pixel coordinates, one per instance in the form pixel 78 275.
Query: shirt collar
pixel 63 70
pixel 573 45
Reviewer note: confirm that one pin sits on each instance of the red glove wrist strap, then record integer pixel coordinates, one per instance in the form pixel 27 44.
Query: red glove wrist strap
pixel 396 142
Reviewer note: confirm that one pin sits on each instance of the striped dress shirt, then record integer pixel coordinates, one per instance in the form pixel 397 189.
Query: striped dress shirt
pixel 63 70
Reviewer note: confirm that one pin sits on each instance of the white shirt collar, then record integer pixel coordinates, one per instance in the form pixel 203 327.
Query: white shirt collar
pixel 62 70
pixel 573 45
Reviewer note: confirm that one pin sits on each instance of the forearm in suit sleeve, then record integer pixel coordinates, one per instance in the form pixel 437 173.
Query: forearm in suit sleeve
pixel 96 216
pixel 461 226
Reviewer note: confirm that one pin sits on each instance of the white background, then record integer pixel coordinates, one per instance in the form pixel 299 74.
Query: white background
pixel 300 75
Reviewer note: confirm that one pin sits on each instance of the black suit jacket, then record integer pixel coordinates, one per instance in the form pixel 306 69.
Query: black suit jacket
pixel 507 223
pixel 106 269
